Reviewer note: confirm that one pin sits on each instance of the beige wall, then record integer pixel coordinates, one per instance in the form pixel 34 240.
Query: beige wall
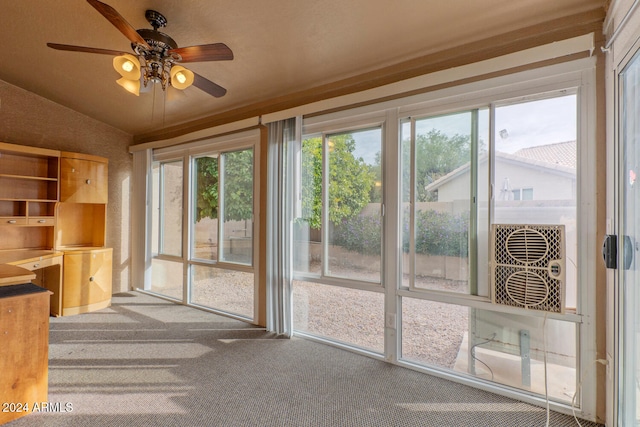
pixel 28 119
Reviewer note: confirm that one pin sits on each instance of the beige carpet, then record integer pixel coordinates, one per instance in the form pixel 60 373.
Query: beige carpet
pixel 148 362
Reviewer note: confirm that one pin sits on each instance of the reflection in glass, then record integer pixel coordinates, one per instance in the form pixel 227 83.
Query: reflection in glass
pixel 167 208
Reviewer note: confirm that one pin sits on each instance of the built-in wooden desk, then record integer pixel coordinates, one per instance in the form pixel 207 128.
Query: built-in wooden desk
pixel 12 275
pixel 41 267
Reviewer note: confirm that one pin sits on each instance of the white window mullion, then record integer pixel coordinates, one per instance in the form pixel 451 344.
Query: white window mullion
pixel 324 221
pixel 412 204
pixel 186 227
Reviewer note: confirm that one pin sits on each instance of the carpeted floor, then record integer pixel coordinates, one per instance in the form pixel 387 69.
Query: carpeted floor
pixel 148 362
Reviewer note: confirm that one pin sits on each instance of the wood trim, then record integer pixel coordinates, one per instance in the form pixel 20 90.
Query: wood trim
pixel 510 42
pixel 82 156
pixel 26 149
pixel 453 83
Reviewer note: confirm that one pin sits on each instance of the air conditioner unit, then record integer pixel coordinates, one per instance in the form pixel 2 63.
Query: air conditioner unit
pixel 528 266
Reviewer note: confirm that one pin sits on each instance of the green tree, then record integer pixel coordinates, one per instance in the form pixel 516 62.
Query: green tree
pixel 207 187
pixel 350 180
pixel 238 186
pixel 436 155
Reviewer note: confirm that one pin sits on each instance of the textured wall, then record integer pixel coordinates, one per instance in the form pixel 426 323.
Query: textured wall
pixel 28 119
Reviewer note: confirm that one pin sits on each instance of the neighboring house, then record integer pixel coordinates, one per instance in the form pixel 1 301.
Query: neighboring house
pixel 545 172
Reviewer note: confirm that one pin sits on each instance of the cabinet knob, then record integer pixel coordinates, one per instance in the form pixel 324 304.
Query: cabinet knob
pixel 42 221
pixel 91 279
pixel 12 221
pixel 36 265
pixel 88 181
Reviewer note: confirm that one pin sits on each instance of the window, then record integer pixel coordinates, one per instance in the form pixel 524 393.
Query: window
pixel 416 285
pixel 202 225
pixel 441 185
pixel 522 194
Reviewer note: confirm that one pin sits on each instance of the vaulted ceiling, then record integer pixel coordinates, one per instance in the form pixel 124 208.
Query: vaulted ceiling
pixel 281 47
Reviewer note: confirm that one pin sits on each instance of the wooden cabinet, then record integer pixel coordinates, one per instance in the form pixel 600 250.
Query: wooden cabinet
pixel 28 196
pixel 24 327
pixel 57 201
pixel 87 280
pixel 83 178
pixel 81 225
pixel 81 219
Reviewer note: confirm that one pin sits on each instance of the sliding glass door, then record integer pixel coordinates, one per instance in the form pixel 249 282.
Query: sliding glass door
pixel 222 232
pixel 202 227
pixel 337 238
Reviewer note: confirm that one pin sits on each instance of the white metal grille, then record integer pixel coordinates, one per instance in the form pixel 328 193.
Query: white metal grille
pixel 528 266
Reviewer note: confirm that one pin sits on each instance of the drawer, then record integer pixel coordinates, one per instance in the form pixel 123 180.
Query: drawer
pixel 47 262
pixel 44 221
pixel 16 220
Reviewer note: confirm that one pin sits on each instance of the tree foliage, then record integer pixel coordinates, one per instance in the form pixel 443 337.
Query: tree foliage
pixel 238 186
pixel 350 180
pixel 207 187
pixel 436 155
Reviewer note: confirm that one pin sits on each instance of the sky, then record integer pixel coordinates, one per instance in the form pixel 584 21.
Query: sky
pixel 525 124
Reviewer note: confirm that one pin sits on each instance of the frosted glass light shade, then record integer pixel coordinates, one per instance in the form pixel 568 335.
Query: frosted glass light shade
pixel 131 86
pixel 181 78
pixel 127 66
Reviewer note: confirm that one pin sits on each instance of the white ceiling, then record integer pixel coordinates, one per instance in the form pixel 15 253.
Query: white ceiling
pixel 280 46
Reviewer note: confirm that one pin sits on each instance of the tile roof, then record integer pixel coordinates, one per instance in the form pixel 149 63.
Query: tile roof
pixel 561 153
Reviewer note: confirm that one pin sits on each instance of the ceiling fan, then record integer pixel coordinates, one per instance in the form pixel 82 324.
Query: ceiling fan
pixel 156 55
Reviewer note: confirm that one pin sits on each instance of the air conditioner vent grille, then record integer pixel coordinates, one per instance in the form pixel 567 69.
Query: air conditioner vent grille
pixel 527 245
pixel 528 266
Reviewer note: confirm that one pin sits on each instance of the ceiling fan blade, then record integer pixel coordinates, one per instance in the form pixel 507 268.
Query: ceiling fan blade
pixel 205 52
pixel 208 86
pixel 73 48
pixel 119 22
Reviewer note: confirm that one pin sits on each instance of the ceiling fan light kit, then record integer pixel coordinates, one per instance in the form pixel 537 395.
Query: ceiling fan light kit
pixel 155 55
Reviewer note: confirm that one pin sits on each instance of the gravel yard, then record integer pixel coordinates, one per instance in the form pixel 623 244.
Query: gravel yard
pixel 432 332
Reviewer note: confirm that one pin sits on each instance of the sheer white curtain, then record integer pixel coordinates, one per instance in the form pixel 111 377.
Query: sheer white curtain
pixel 284 141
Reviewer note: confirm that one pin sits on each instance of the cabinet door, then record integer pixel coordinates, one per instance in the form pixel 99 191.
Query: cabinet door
pixel 83 181
pixel 86 280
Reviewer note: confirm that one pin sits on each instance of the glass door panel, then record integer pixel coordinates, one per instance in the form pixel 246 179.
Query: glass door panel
pixel 629 296
pixel 236 207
